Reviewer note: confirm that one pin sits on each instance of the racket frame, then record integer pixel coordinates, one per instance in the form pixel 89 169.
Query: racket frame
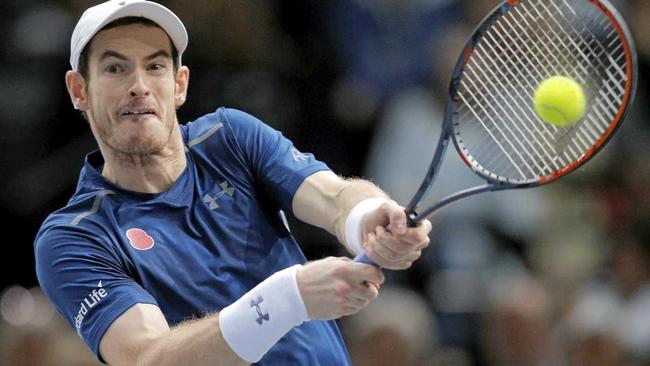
pixel 494 184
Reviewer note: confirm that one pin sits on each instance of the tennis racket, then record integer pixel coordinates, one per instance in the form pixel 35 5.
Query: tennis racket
pixel 489 114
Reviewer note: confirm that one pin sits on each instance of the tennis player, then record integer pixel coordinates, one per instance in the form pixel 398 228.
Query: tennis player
pixel 174 249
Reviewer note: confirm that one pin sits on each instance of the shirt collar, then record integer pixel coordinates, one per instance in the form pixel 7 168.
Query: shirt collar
pixel 179 194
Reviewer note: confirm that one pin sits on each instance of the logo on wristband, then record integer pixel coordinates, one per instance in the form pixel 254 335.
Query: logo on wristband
pixel 261 316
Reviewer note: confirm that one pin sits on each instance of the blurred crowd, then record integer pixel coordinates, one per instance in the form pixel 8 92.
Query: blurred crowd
pixel 558 275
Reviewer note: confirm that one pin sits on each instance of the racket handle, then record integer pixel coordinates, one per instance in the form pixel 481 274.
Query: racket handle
pixel 363 258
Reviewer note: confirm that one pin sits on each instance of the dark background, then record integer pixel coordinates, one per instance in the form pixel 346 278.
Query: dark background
pixel 327 73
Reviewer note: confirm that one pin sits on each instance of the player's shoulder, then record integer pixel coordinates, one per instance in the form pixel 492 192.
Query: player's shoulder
pixel 81 216
pixel 223 118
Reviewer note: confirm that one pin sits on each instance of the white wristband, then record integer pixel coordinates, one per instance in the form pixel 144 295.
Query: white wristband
pixel 255 322
pixel 353 228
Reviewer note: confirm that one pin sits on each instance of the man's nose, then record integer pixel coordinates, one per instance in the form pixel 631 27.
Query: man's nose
pixel 139 86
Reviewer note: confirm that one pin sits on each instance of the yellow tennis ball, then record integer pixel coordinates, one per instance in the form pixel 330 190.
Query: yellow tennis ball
pixel 560 100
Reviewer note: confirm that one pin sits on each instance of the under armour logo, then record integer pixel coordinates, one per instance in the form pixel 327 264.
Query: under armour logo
pixel 261 317
pixel 212 201
pixel 297 155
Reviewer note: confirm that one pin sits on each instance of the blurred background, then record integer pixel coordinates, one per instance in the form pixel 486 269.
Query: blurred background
pixel 558 275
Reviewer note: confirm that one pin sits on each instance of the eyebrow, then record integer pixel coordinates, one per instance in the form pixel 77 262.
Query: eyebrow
pixel 162 53
pixel 111 53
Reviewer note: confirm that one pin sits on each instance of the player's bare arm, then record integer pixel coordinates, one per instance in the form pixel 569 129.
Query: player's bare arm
pixel 326 200
pixel 141 336
pixel 328 289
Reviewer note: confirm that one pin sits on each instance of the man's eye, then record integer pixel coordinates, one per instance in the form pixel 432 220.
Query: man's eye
pixel 156 67
pixel 113 69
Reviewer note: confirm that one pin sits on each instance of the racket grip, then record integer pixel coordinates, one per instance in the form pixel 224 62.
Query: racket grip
pixel 363 258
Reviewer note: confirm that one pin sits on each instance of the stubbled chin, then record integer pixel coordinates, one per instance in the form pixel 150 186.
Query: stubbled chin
pixel 142 144
pixel 148 136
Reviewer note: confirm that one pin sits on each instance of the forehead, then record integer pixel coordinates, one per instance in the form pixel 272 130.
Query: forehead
pixel 130 40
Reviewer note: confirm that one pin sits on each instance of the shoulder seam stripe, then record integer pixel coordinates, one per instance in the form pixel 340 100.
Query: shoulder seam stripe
pixel 202 138
pixel 94 209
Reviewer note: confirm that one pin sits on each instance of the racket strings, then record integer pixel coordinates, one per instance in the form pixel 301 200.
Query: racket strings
pixel 596 49
pixel 506 82
pixel 544 132
pixel 488 122
pixel 501 82
pixel 496 125
pixel 543 143
pixel 505 109
pixel 579 44
pixel 559 60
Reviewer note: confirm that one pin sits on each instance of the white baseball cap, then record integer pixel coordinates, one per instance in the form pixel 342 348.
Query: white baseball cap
pixel 98 16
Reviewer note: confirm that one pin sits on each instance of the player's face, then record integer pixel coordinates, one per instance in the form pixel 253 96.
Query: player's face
pixel 132 90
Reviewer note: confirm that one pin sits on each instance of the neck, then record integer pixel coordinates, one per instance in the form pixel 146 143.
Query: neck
pixel 146 173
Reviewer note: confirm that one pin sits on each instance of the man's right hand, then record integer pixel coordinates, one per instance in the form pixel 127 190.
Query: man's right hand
pixel 335 287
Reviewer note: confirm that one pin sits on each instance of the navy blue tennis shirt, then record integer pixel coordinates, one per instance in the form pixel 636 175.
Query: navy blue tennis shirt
pixel 192 250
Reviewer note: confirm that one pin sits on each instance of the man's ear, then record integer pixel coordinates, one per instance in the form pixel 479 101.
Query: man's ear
pixel 78 90
pixel 182 80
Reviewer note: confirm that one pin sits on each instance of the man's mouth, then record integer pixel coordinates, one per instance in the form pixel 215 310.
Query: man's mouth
pixel 139 112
